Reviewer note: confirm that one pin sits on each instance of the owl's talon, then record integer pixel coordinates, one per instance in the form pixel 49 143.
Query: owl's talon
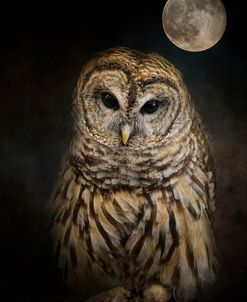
pixel 118 294
pixel 157 293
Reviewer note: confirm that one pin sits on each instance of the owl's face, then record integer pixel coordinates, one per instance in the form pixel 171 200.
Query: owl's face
pixel 128 99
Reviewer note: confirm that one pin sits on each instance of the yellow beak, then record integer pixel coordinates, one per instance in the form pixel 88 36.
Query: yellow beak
pixel 126 131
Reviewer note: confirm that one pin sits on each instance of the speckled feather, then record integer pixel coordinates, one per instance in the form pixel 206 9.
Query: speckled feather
pixel 141 212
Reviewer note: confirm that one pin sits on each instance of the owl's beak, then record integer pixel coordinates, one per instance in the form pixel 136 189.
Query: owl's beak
pixel 126 131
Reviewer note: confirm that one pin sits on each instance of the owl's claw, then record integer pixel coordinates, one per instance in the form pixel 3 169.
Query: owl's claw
pixel 118 294
pixel 157 293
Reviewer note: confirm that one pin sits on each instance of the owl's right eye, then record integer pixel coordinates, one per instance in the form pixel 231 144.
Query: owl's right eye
pixel 109 101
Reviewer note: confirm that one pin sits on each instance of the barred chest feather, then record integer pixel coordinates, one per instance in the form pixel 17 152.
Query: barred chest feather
pixel 139 236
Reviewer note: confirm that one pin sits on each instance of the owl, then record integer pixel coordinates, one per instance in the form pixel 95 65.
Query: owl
pixel 133 207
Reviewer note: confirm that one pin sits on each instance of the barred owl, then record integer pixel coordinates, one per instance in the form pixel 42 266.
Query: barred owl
pixel 134 203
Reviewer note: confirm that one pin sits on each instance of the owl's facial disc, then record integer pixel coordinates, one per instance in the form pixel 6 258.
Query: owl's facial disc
pixel 121 110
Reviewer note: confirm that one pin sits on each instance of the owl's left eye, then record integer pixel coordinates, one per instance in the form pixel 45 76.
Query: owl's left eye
pixel 109 101
pixel 150 106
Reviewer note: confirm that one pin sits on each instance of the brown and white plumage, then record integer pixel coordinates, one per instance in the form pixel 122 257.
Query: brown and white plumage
pixel 135 198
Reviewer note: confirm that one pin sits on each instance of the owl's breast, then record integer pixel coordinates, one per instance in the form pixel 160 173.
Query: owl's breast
pixel 128 234
pixel 135 234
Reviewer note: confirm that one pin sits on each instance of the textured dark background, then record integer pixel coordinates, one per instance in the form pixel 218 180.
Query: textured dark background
pixel 42 52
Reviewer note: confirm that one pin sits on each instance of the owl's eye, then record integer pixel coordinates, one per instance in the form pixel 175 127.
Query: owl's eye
pixel 150 106
pixel 109 101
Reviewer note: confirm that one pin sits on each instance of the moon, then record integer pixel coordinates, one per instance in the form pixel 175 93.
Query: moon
pixel 194 25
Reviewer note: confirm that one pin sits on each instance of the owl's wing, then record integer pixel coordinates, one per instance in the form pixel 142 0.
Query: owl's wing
pixel 66 223
pixel 72 238
pixel 204 161
pixel 193 191
pixel 192 203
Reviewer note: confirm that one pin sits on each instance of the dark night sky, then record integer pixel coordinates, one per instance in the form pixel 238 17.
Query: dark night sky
pixel 41 55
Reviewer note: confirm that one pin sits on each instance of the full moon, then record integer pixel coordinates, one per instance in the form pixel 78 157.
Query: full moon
pixel 194 25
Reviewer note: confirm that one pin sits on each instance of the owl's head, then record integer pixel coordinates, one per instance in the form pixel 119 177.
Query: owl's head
pixel 129 107
pixel 125 97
